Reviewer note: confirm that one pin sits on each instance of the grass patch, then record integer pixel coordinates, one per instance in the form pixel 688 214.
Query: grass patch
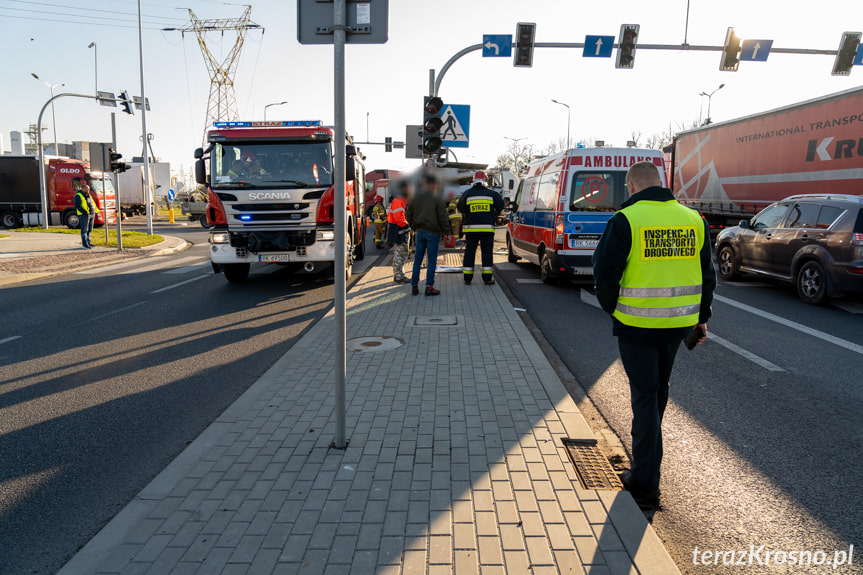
pixel 3 236
pixel 97 238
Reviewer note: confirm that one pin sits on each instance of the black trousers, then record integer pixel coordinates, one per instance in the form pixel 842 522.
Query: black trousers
pixel 648 366
pixel 485 240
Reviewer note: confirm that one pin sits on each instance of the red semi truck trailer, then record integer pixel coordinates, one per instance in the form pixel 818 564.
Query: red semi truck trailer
pixel 20 196
pixel 732 170
pixel 272 196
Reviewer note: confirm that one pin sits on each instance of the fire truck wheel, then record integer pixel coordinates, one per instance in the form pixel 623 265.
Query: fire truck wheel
pixel 545 271
pixel 510 255
pixel 360 250
pixel 9 220
pixel 70 218
pixel 236 273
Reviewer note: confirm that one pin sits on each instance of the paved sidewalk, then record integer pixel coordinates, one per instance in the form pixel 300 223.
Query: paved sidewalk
pixel 26 256
pixel 454 463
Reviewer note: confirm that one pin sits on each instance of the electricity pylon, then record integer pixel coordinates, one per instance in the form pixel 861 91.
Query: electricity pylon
pixel 222 104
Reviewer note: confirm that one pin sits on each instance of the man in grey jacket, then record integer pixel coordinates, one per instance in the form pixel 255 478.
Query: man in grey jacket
pixel 427 216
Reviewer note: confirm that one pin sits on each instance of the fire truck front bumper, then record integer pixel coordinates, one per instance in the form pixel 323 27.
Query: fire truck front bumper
pixel 231 248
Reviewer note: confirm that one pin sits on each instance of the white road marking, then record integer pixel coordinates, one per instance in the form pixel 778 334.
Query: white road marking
pixel 528 280
pixel 112 312
pixel 8 339
pixel 172 286
pixel 111 267
pixel 161 264
pixel 187 269
pixel 747 354
pixel 793 325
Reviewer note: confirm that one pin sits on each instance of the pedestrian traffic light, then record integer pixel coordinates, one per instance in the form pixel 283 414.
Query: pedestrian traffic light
pixel 730 53
pixel 626 46
pixel 388 144
pixel 126 103
pixel 847 53
pixel 525 32
pixel 432 124
pixel 116 165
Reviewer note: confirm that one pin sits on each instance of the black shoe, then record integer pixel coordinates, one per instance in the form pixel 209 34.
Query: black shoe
pixel 489 282
pixel 432 291
pixel 466 282
pixel 647 502
pixel 402 280
pixel 415 290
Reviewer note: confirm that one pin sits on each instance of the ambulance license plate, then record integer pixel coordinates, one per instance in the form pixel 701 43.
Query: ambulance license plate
pixel 582 271
pixel 275 258
pixel 578 243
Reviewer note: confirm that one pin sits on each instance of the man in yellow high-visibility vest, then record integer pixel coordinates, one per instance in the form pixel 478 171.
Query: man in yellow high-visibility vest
pixel 654 274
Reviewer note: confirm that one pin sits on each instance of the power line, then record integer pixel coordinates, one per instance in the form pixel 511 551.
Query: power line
pixel 88 10
pixel 85 23
pixel 55 13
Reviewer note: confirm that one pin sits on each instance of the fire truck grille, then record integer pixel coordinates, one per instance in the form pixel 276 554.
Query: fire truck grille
pixel 270 207
pixel 270 217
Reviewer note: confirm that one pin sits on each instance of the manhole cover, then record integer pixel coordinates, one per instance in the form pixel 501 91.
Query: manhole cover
pixel 374 343
pixel 433 320
pixel 593 469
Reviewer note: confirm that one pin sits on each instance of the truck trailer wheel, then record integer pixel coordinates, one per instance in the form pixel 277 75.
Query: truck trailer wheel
pixel 71 219
pixel 10 220
pixel 236 273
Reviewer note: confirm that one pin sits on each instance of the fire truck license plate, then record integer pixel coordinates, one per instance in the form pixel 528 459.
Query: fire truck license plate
pixel 275 258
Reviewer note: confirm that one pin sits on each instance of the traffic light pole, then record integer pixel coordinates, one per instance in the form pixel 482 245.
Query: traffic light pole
pixel 434 87
pixel 43 189
pixel 117 213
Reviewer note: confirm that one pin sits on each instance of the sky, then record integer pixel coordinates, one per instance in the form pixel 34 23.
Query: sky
pixel 386 82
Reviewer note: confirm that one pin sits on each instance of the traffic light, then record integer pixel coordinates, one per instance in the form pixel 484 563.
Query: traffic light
pixel 116 165
pixel 388 144
pixel 730 53
pixel 525 32
pixel 847 53
pixel 626 46
pixel 126 103
pixel 432 124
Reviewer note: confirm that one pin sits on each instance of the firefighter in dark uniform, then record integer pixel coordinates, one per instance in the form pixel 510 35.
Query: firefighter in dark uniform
pixel 379 217
pixel 480 206
pixel 654 274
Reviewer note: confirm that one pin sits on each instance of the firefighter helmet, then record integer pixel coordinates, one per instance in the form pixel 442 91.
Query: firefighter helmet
pixel 379 199
pixel 248 155
pixel 480 176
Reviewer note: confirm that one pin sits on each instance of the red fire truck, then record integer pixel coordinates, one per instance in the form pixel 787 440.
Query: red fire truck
pixel 272 196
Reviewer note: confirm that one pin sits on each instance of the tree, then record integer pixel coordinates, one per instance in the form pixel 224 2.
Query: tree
pixel 660 140
pixel 516 157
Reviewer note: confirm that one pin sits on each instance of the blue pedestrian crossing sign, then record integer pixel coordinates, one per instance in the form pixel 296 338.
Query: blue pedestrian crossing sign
pixel 455 132
pixel 755 50
pixel 598 46
pixel 496 45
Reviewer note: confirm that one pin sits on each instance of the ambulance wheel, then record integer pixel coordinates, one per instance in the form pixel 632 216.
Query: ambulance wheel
pixel 510 255
pixel 236 273
pixel 70 218
pixel 545 271
pixel 9 220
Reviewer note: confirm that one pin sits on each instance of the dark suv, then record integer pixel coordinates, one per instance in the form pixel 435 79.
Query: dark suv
pixel 814 241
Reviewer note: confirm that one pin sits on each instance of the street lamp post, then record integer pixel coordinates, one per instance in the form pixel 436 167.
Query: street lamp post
pixel 53 117
pixel 95 65
pixel 273 104
pixel 709 97
pixel 568 117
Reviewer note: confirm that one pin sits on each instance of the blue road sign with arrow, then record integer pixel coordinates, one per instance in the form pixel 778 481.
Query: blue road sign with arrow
pixel 858 59
pixel 171 195
pixel 496 45
pixel 755 50
pixel 598 46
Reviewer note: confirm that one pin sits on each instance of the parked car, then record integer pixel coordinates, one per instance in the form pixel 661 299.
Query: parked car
pixel 814 241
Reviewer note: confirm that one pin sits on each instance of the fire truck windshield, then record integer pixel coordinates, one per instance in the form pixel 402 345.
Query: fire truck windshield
pixel 271 165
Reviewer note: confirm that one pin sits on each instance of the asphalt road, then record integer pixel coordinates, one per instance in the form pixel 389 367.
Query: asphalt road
pixel 106 376
pixel 760 450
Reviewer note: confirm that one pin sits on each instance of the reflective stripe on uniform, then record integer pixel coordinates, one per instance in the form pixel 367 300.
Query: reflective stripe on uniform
pixel 477 228
pixel 676 311
pixel 660 291
pixel 455 216
pixel 480 199
pixel 488 270
pixel 396 210
pixel 467 270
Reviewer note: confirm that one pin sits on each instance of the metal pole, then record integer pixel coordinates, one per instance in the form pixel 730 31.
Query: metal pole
pixel 339 38
pixel 686 30
pixel 116 178
pixel 54 122
pixel 147 191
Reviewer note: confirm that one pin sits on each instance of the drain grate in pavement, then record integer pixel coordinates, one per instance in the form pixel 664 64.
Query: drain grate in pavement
pixel 434 320
pixel 593 469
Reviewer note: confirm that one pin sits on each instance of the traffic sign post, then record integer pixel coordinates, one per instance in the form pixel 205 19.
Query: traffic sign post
pixel 755 50
pixel 598 46
pixel 496 45
pixel 455 131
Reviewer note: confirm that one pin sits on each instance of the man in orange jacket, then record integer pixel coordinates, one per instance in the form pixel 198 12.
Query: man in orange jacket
pixel 397 233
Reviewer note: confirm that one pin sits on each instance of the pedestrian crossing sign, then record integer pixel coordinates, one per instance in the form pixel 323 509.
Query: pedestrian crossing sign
pixel 455 132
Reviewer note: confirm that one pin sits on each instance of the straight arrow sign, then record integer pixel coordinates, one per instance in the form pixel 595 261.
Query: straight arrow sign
pixel 598 46
pixel 755 50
